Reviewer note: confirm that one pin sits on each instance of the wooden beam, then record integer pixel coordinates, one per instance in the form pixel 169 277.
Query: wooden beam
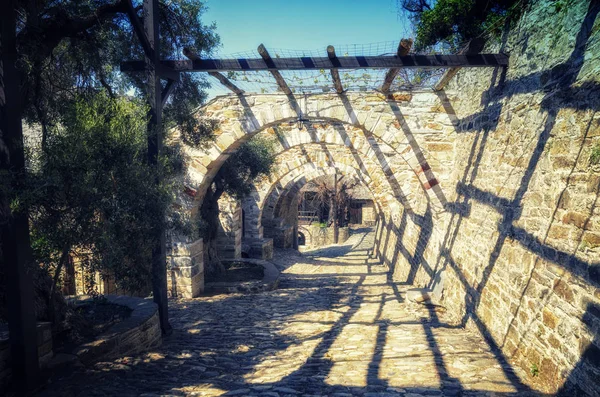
pixel 167 73
pixel 317 63
pixel 403 50
pixel 166 92
pixel 138 28
pixel 273 69
pixel 474 47
pixel 227 83
pixel 335 74
pixel 222 79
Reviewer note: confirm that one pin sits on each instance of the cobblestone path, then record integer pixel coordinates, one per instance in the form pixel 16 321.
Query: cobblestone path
pixel 336 326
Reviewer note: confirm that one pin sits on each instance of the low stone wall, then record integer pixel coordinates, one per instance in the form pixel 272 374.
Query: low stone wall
pixel 317 236
pixel 261 248
pixel 137 333
pixel 45 353
pixel 269 281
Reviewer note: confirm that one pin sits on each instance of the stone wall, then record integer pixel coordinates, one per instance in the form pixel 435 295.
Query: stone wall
pixel 45 353
pixel 185 269
pixel 485 191
pixel 519 243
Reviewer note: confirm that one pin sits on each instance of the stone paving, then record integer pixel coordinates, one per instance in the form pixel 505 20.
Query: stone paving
pixel 336 326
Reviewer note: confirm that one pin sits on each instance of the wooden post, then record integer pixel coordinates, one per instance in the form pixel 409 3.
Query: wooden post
pixel 14 226
pixel 403 50
pixel 335 208
pixel 271 65
pixel 335 74
pixel 159 258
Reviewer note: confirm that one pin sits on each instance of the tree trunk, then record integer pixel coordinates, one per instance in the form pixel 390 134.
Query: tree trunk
pixel 209 211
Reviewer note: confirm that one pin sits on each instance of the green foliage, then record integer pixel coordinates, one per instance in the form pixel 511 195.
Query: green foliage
pixel 559 5
pixel 253 159
pixel 69 47
pixel 90 195
pixel 452 22
pixel 595 155
pixel 534 370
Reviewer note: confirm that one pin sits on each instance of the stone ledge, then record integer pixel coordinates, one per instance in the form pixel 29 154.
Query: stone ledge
pixel 138 333
pixel 268 283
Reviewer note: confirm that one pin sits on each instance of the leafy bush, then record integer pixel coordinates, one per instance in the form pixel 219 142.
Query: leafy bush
pixel 90 195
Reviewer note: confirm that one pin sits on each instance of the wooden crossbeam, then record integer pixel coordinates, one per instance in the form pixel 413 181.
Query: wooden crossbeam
pixel 335 74
pixel 273 69
pixel 317 63
pixel 138 27
pixel 474 47
pixel 222 79
pixel 403 50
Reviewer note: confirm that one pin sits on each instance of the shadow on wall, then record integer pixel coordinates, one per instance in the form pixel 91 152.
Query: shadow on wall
pixel 558 84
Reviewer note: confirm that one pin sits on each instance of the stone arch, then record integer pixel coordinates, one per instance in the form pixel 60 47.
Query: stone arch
pixel 394 121
pixel 270 217
pixel 305 158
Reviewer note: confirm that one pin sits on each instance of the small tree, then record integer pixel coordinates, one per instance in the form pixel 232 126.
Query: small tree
pixel 89 195
pixel 253 159
pixel 334 198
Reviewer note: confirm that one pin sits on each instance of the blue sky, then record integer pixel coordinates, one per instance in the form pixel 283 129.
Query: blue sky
pixel 302 24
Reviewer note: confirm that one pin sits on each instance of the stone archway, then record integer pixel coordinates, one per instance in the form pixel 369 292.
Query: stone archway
pixel 410 123
pixel 412 129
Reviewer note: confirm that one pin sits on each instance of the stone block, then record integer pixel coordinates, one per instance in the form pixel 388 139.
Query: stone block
pixel 261 248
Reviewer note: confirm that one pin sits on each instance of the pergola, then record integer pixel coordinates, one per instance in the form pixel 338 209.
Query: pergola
pixel 15 233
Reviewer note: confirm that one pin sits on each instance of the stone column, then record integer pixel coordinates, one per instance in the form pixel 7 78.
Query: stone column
pixel 185 274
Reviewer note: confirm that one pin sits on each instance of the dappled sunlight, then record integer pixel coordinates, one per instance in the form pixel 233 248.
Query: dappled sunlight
pixel 330 328
pixel 350 355
pixel 407 359
pixel 468 359
pixel 283 363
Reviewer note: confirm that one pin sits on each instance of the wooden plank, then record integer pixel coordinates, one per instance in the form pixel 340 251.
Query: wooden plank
pixel 222 79
pixel 227 83
pixel 335 74
pixel 474 47
pixel 273 69
pixel 166 92
pixel 14 225
pixel 138 28
pixel 403 50
pixel 317 63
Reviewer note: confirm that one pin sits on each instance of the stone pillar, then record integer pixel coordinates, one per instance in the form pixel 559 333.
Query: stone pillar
pixel 229 236
pixel 185 269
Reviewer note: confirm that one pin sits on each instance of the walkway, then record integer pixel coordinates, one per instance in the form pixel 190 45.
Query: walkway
pixel 336 327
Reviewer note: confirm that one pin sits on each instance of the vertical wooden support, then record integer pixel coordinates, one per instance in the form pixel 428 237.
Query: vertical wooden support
pixel 14 226
pixel 335 74
pixel 403 50
pixel 159 258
